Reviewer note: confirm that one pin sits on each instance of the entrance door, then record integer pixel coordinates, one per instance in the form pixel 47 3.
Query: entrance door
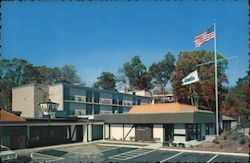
pixel 15 142
pixel 79 133
pixel 143 132
pixel 97 132
pixel 169 132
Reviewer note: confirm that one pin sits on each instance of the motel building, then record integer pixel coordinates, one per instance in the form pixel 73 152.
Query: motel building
pixel 168 123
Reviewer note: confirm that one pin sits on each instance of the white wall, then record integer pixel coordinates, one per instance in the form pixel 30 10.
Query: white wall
pixel 27 99
pixel 127 128
pixel 56 95
pixel 233 124
pixel 158 132
pixel 89 132
pixel 106 131
pixel 84 133
pixel 23 100
pixel 116 131
pixel 179 128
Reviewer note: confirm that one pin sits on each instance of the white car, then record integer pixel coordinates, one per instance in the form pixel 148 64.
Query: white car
pixel 6 154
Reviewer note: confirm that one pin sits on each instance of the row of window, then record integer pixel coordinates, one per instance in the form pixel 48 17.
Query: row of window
pixel 95 97
pixel 193 131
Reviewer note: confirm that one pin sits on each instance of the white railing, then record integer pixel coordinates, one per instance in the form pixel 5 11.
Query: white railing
pixel 80 98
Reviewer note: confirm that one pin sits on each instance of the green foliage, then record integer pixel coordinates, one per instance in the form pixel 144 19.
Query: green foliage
pixel 16 72
pixel 162 71
pixel 204 89
pixel 69 74
pixel 106 81
pixel 137 74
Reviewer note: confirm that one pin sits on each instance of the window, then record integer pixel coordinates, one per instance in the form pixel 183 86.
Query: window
pixel 114 109
pixel 96 109
pixel 88 96
pixel 198 131
pixel 193 131
pixel 138 101
pixel 120 110
pixel 96 97
pixel 66 93
pixel 207 129
pixel 88 109
pixel 134 101
pixel 120 98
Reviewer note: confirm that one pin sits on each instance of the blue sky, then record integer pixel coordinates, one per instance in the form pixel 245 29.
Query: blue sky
pixel 102 36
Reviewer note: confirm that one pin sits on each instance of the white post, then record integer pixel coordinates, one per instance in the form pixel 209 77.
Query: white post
pixel 216 83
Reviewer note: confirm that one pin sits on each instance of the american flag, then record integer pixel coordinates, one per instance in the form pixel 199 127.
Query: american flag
pixel 204 37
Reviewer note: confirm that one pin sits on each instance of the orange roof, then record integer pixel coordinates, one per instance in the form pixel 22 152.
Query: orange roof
pixel 163 108
pixel 6 116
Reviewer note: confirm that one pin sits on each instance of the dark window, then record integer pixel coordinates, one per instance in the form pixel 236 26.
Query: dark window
pixel 207 129
pixel 190 132
pixel 120 110
pixel 66 107
pixel 96 109
pixel 138 101
pixel 134 101
pixel 115 99
pixel 66 93
pixel 88 96
pixel 96 97
pixel 120 100
pixel 114 109
pixel 193 131
pixel 198 131
pixel 88 109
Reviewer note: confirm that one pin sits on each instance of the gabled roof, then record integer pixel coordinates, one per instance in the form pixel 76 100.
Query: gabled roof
pixel 163 108
pixel 6 116
pixel 226 118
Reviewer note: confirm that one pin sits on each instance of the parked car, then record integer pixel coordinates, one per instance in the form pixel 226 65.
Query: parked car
pixel 6 155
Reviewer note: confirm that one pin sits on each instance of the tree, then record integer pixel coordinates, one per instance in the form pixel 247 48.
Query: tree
pixel 12 75
pixel 162 71
pixel 136 72
pixel 69 75
pixel 204 89
pixel 237 99
pixel 144 82
pixel 15 72
pixel 106 81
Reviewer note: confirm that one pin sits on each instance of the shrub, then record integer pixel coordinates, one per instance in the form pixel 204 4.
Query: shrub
pixel 242 141
pixel 215 141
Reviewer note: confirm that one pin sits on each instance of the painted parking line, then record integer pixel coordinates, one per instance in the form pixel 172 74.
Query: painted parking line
pixel 155 156
pixel 39 157
pixel 110 153
pixel 230 158
pixel 171 157
pixel 120 145
pixel 132 154
pixel 108 149
pixel 212 158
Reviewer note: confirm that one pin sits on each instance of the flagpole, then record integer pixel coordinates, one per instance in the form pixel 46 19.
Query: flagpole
pixel 216 83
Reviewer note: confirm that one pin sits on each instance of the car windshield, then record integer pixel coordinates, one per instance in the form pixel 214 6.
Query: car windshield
pixel 3 149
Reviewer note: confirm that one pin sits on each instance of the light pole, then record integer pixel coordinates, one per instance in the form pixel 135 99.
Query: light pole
pixel 49 108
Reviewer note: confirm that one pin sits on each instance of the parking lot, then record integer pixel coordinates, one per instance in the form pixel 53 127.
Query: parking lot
pixel 98 152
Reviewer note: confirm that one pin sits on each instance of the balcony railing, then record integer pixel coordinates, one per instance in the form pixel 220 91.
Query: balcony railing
pixel 84 99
